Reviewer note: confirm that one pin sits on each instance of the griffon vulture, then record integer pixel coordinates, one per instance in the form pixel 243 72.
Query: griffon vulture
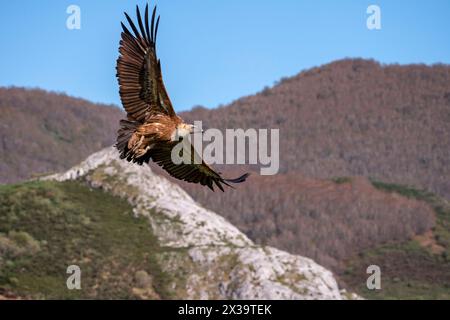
pixel 151 124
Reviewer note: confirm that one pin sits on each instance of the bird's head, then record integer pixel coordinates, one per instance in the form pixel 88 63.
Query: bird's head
pixel 185 129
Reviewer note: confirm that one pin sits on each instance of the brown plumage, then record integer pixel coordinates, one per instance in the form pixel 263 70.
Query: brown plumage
pixel 152 127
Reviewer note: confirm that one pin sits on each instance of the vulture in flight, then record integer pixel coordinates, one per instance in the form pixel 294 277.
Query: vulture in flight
pixel 152 128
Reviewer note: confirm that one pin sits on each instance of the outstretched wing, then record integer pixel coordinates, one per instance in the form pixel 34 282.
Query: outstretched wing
pixel 142 90
pixel 191 172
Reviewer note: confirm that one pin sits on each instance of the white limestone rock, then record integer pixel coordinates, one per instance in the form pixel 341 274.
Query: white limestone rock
pixel 207 257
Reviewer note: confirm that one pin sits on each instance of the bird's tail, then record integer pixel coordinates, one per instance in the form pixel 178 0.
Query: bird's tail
pixel 239 179
pixel 127 128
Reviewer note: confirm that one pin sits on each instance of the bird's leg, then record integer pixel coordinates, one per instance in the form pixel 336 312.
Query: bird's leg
pixel 139 144
pixel 135 141
pixel 141 147
pixel 140 152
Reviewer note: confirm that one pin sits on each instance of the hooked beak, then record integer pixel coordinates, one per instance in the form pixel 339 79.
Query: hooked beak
pixel 196 129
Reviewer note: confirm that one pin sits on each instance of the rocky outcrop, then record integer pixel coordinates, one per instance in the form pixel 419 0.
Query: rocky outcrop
pixel 206 256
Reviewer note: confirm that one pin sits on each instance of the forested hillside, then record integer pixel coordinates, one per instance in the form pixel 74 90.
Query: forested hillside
pixel 43 132
pixel 354 136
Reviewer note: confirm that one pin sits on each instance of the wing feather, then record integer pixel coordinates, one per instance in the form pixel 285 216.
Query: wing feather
pixel 146 23
pixel 141 25
pixel 142 89
pixel 191 172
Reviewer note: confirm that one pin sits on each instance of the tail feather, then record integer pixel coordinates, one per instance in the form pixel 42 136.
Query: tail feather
pixel 239 179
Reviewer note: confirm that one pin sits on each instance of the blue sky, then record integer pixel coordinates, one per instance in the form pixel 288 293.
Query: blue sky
pixel 212 51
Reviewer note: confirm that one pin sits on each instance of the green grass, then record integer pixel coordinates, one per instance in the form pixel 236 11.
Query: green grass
pixel 408 270
pixel 47 226
pixel 440 206
pixel 405 191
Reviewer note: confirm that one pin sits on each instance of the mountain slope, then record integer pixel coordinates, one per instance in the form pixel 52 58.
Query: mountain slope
pixel 348 122
pixel 45 132
pixel 354 118
pixel 189 252
pixel 343 126
pixel 418 268
pixel 47 226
